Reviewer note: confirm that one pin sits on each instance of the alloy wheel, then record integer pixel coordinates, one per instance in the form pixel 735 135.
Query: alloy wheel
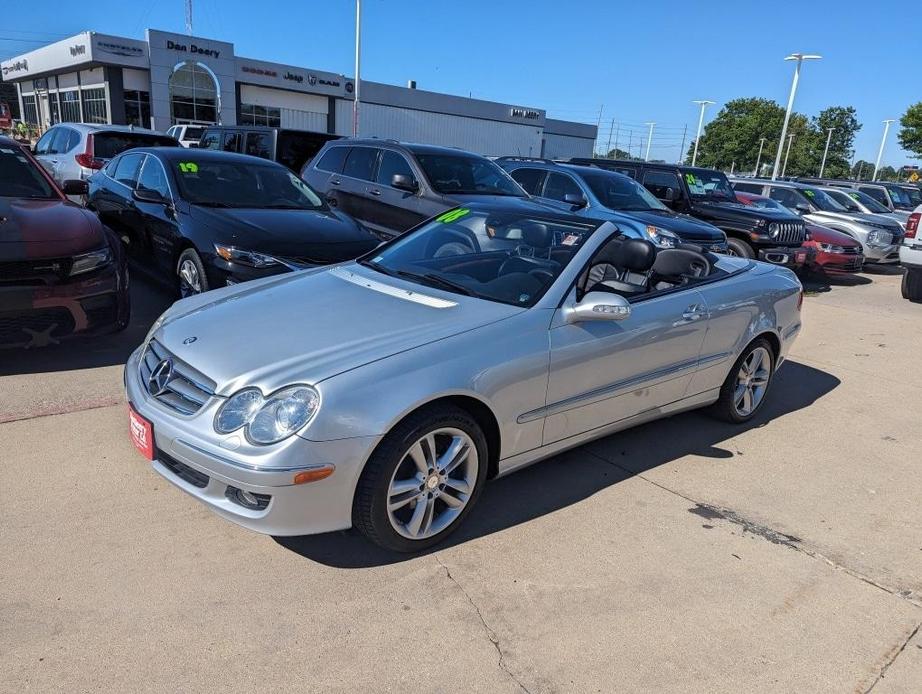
pixel 432 484
pixel 190 282
pixel 752 381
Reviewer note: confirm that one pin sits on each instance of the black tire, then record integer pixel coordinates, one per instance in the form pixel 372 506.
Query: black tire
pixel 124 319
pixel 740 248
pixel 185 288
pixel 912 285
pixel 369 509
pixel 725 407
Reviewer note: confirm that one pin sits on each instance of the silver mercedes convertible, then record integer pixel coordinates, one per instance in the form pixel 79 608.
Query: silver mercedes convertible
pixel 384 393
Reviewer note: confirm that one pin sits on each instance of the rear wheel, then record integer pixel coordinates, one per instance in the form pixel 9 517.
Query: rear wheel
pixel 747 384
pixel 422 480
pixel 191 274
pixel 912 284
pixel 740 248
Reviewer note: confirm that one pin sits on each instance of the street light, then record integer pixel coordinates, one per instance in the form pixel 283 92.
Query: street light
pixel 880 152
pixel 826 151
pixel 649 141
pixel 790 140
pixel 703 104
pixel 358 63
pixel 799 57
pixel 759 158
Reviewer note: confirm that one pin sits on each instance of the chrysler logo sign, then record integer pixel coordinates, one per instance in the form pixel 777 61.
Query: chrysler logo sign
pixel 160 377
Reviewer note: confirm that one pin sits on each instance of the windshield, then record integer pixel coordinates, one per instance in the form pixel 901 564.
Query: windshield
pixel 846 200
pixel 914 195
pixel 870 203
pixel 108 145
pixel 822 200
pixel 709 185
pixel 242 184
pixel 20 178
pixel 618 192
pixel 507 257
pixel 899 196
pixel 466 175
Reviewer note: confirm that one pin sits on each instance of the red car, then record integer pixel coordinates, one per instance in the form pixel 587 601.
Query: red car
pixel 62 272
pixel 831 250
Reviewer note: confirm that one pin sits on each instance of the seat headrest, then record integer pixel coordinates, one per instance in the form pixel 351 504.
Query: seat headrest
pixel 636 255
pixel 676 262
pixel 536 235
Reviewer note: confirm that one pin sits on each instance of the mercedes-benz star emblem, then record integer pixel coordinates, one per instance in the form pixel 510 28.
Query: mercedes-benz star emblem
pixel 160 377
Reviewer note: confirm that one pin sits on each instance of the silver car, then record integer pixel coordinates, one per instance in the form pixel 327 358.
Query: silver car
pixel 855 201
pixel 383 393
pixel 78 150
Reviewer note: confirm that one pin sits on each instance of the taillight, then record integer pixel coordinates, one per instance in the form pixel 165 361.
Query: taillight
pixel 86 159
pixel 912 225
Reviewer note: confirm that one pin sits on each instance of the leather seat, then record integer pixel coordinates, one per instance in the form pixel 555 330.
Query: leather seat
pixel 675 266
pixel 623 266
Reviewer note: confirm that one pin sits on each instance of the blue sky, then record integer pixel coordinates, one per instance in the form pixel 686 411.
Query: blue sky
pixel 639 62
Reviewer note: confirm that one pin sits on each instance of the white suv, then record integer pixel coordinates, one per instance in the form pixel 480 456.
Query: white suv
pixel 911 257
pixel 188 135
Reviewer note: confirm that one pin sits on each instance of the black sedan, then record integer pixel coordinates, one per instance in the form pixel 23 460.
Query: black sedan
pixel 208 219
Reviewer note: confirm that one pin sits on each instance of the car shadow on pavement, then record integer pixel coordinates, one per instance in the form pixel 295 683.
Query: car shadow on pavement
pixel 575 475
pixel 820 282
pixel 148 300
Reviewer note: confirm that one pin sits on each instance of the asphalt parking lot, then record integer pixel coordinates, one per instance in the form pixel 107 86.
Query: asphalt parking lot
pixel 685 555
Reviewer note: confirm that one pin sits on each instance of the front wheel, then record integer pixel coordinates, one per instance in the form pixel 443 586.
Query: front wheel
pixel 740 248
pixel 422 480
pixel 747 384
pixel 191 274
pixel 912 285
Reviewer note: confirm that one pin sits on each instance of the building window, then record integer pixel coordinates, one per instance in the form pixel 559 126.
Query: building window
pixel 70 106
pixel 94 106
pixel 29 112
pixel 251 114
pixel 194 94
pixel 137 108
pixel 53 108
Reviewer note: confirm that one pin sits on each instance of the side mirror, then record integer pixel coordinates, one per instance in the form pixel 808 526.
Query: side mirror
pixel 578 200
pixel 74 187
pixel 151 196
pixel 598 306
pixel 802 208
pixel 404 182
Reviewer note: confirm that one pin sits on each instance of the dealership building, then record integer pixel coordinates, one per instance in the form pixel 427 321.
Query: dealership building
pixel 174 78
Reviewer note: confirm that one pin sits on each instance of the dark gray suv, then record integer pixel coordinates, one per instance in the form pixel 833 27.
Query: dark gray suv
pixel 391 186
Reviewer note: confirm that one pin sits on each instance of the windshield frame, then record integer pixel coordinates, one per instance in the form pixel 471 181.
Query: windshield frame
pixel 706 197
pixel 589 226
pixel 516 190
pixel 258 164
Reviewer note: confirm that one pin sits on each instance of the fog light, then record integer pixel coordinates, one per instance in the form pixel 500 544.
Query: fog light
pixel 250 500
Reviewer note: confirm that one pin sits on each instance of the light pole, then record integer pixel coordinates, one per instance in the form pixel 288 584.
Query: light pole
pixel 799 57
pixel 790 140
pixel 703 104
pixel 649 141
pixel 358 65
pixel 880 152
pixel 826 151
pixel 759 158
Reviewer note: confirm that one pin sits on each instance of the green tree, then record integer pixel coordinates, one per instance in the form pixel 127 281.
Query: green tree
pixel 841 147
pixel 910 135
pixel 886 173
pixel 617 153
pixel 734 134
pixel 862 170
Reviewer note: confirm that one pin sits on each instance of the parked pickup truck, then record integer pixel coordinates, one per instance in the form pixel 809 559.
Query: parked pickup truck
pixel 769 235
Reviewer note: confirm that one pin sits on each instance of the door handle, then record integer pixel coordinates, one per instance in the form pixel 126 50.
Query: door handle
pixel 375 191
pixel 335 182
pixel 694 312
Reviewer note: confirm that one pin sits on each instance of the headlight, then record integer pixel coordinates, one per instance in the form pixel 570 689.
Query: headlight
pixel 880 238
pixel 662 237
pixel 268 419
pixel 244 257
pixel 90 261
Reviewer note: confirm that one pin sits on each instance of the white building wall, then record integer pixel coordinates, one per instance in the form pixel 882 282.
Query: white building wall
pixel 136 80
pixel 488 137
pixel 566 146
pixel 279 98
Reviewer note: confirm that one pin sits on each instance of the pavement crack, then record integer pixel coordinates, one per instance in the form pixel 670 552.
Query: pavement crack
pixel 710 511
pixel 892 659
pixel 488 630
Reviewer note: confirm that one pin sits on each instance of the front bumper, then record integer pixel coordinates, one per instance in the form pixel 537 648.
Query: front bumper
pixel 222 273
pixel 201 462
pixel 881 255
pixel 786 256
pixel 44 314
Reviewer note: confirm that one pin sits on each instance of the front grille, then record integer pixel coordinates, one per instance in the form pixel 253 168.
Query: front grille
pixel 35 328
pixel 788 232
pixel 182 471
pixel 180 387
pixel 851 250
pixel 100 310
pixel 35 272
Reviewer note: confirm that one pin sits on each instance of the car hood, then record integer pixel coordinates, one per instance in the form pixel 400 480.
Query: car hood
pixel 308 326
pixel 311 236
pixel 745 214
pixel 686 227
pixel 822 216
pixel 821 234
pixel 37 229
